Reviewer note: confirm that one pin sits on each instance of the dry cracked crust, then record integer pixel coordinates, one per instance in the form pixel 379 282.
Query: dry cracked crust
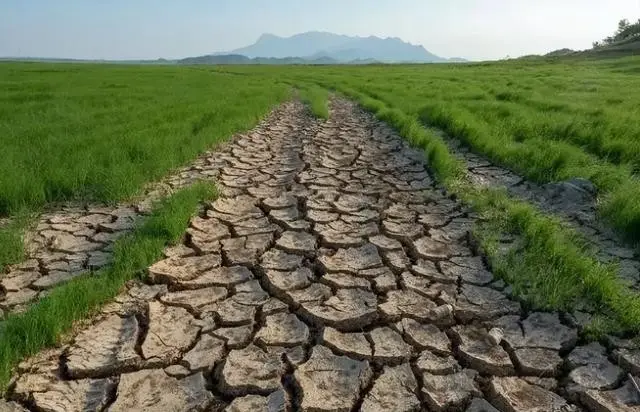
pixel 331 275
pixel 574 200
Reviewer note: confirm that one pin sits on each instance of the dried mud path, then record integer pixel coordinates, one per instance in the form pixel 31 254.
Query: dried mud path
pixel 331 275
pixel 574 201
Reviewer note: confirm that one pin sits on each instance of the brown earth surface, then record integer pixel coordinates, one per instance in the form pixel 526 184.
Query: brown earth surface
pixel 332 274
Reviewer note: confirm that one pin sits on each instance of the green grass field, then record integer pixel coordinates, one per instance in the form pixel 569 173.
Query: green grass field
pixel 92 132
pixel 99 132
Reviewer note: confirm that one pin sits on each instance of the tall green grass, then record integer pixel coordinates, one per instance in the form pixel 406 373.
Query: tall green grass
pixel 316 98
pixel 553 268
pixel 11 244
pixel 99 132
pixel 42 325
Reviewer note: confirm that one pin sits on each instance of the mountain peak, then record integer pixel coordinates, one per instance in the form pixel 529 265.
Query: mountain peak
pixel 266 37
pixel 342 48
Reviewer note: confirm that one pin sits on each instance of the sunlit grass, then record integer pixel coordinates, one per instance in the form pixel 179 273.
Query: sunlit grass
pixel 99 132
pixel 317 99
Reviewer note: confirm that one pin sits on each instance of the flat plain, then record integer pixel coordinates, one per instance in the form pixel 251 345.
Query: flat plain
pixel 342 225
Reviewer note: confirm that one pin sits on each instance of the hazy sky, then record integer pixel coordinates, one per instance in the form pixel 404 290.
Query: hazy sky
pixel 148 29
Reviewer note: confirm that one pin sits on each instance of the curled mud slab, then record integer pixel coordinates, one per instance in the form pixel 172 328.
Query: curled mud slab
pixel 331 275
pixel 573 200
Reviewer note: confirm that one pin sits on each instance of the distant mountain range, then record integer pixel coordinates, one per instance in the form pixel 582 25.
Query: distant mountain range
pixel 323 48
pixel 305 48
pixel 240 59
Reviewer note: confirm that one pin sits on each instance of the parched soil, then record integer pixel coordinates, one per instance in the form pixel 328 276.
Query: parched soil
pixel 331 275
pixel 574 201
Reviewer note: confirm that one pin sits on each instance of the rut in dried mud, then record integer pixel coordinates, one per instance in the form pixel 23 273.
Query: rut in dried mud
pixel 331 275
pixel 574 201
pixel 76 239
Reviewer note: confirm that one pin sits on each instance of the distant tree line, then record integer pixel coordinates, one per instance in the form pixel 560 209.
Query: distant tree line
pixel 625 31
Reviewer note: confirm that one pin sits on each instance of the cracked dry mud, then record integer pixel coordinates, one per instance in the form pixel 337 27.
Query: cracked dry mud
pixel 573 200
pixel 331 275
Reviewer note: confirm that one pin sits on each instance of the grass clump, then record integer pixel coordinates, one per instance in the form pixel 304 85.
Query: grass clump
pixel 42 325
pixel 552 268
pixel 317 98
pixel 11 241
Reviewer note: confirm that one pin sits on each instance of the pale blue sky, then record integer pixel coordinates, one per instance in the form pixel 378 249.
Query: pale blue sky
pixel 148 29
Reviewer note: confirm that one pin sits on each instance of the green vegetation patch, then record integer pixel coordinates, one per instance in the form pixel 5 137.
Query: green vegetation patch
pixel 42 325
pixel 100 132
pixel 11 241
pixel 317 98
pixel 551 267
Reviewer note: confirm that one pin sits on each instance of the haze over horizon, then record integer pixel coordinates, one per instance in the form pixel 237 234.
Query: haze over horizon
pixel 151 29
